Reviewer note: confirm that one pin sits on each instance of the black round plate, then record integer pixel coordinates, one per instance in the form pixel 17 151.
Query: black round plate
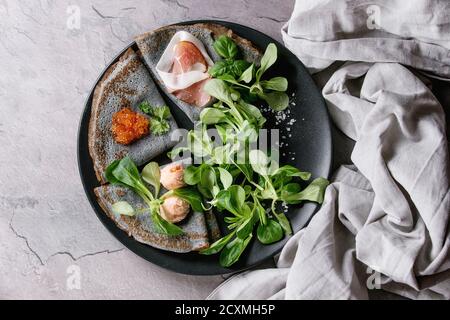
pixel 310 140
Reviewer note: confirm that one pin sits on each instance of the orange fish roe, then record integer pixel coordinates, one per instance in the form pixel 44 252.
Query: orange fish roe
pixel 129 126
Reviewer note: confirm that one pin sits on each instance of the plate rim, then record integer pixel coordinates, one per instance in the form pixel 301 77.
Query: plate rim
pixel 86 111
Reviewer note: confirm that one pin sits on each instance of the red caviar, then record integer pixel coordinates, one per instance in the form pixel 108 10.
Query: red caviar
pixel 129 126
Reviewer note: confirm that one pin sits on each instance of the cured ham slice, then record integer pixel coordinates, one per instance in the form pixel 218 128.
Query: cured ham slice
pixel 183 68
pixel 186 57
pixel 194 94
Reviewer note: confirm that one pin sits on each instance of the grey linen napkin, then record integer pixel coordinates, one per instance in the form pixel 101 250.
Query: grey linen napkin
pixel 385 219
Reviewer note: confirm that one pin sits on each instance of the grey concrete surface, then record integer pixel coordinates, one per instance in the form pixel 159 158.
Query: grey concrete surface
pixel 48 233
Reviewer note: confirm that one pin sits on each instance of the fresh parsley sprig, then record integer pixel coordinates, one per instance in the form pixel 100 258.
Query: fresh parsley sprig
pixel 159 124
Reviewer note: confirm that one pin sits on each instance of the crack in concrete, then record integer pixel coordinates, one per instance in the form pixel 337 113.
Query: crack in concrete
pixel 105 17
pixel 24 238
pixel 271 19
pixel 26 35
pixel 42 8
pixel 102 15
pixel 29 15
pixel 41 260
pixel 66 253
pixel 219 17
pixel 115 35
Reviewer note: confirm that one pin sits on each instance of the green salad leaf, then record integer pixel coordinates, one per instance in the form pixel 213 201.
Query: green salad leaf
pixel 284 223
pixel 219 90
pixel 270 232
pixel 211 116
pixel 192 196
pixel 277 84
pixel 269 58
pixel 233 68
pixel 192 175
pixel 233 250
pixel 278 101
pixel 152 175
pixel 217 246
pixel 314 192
pixel 123 208
pixel 247 75
pixel 226 47
pixel 225 177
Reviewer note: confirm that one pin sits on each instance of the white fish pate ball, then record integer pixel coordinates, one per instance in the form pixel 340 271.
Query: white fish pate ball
pixel 172 176
pixel 174 209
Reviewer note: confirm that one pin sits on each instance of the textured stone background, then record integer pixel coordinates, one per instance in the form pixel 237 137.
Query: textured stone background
pixel 46 70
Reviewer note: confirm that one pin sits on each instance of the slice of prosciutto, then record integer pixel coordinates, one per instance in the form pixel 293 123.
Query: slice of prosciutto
pixel 186 56
pixel 183 68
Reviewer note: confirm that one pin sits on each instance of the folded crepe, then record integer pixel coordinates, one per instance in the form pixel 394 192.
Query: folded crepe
pixel 127 83
pixel 152 46
pixel 200 229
